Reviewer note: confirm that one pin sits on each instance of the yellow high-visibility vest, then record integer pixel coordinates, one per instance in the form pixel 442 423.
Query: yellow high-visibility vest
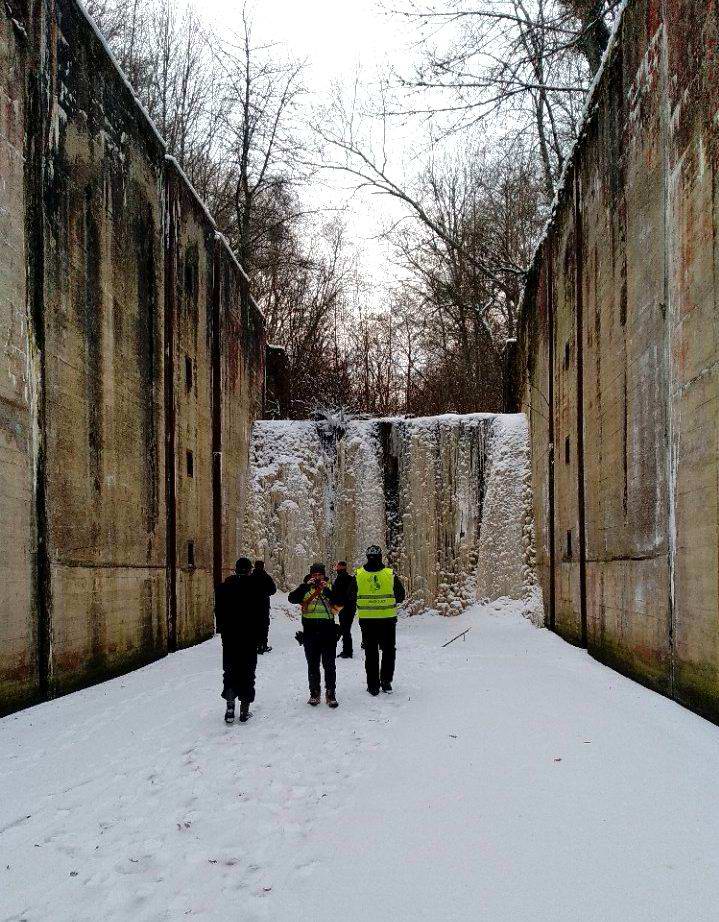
pixel 375 593
pixel 317 608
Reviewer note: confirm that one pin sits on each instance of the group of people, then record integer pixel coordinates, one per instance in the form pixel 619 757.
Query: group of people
pixel 242 612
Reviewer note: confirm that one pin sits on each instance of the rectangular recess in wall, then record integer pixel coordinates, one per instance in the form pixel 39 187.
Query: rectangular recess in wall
pixel 566 450
pixel 190 464
pixel 569 544
pixel 190 553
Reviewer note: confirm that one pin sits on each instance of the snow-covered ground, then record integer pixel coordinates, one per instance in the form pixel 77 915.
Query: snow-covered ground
pixel 510 777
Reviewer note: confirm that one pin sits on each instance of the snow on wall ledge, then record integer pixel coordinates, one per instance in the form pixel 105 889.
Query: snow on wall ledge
pixel 449 497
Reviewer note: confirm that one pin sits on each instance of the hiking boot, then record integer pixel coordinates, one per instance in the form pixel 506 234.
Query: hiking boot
pixel 314 700
pixel 230 713
pixel 244 711
pixel 344 655
pixel 373 691
pixel 387 688
pixel 332 702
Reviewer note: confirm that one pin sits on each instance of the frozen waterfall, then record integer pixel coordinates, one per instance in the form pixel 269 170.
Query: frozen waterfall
pixel 449 497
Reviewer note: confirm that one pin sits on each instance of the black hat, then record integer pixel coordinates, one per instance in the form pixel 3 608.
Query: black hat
pixel 318 568
pixel 243 565
pixel 374 551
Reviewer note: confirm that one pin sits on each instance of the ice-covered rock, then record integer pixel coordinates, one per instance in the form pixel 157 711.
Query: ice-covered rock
pixel 448 497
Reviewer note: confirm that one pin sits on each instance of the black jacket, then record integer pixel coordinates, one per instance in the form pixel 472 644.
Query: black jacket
pixel 398 589
pixel 341 588
pixel 239 610
pixel 265 584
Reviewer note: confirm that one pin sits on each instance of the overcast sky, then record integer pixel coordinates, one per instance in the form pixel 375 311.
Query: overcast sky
pixel 335 37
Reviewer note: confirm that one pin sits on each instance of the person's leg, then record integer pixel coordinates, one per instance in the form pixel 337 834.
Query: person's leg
pixel 266 632
pixel 313 654
pixel 371 653
pixel 387 644
pixel 226 672
pixel 329 654
pixel 346 619
pixel 246 677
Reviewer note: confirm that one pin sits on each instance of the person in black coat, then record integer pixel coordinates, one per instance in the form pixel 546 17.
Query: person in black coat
pixel 239 615
pixel 341 598
pixel 268 588
pixel 319 632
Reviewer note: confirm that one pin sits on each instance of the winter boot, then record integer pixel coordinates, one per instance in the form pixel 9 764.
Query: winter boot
pixel 344 655
pixel 230 712
pixel 387 688
pixel 314 700
pixel 373 691
pixel 244 711
pixel 332 702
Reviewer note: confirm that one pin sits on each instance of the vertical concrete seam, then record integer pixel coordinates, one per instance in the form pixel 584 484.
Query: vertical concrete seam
pixel 550 460
pixel 216 378
pixel 671 448
pixel 37 129
pixel 170 238
pixel 579 307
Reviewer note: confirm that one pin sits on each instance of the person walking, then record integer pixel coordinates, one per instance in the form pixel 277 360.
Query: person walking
pixel 267 588
pixel 319 632
pixel 239 615
pixel 341 599
pixel 376 591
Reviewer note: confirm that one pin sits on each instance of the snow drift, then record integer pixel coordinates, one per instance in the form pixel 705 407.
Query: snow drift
pixel 449 497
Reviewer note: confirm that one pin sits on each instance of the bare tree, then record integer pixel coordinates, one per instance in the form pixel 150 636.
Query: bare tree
pixel 262 91
pixel 522 64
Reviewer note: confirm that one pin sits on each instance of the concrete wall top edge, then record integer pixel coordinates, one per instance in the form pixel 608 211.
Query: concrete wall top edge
pixel 564 185
pixel 169 159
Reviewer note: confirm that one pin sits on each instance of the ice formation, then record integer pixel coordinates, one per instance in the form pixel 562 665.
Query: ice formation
pixel 449 497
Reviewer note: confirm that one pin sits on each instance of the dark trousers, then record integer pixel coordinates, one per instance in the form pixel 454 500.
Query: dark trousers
pixel 379 634
pixel 239 668
pixel 347 616
pixel 320 643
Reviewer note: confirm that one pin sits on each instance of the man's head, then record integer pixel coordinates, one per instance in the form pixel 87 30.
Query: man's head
pixel 317 572
pixel 259 565
pixel 243 566
pixel 374 553
pixel 341 566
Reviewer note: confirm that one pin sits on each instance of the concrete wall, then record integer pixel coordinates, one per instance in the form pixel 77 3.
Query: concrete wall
pixel 19 679
pixel 619 347
pixel 111 315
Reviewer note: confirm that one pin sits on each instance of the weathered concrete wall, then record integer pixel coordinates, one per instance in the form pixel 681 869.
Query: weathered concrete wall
pixel 111 314
pixel 620 349
pixel 19 675
pixel 188 323
pixel 103 382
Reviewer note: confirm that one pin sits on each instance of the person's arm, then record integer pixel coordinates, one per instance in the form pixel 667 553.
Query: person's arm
pixel 219 608
pixel 399 593
pixel 352 592
pixel 297 595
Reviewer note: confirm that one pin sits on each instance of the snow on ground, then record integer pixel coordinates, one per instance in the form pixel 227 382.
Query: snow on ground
pixel 510 777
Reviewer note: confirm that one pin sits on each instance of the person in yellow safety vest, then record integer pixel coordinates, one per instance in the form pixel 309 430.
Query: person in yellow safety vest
pixel 319 632
pixel 376 592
